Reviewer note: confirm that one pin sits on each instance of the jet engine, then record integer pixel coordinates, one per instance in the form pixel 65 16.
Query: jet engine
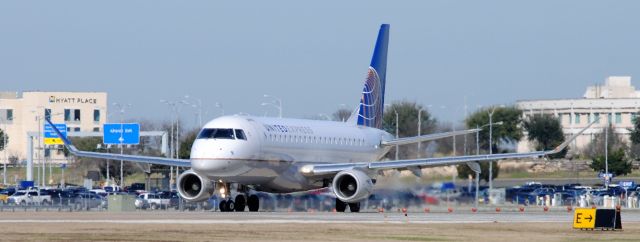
pixel 195 188
pixel 352 186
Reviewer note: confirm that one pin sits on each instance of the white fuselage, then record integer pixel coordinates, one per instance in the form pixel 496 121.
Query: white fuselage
pixel 274 149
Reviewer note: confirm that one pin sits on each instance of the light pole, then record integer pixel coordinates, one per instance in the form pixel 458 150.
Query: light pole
pixel 397 131
pixel 198 106
pixel 121 139
pixel 491 146
pixel 175 106
pixel 275 99
pixel 478 153
pixel 107 147
pixel 39 118
pixel 172 107
pixel 219 105
pixel 478 135
pixel 606 156
pixel 419 131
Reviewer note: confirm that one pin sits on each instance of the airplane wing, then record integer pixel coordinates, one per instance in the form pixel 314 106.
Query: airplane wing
pixel 428 137
pixel 333 168
pixel 134 158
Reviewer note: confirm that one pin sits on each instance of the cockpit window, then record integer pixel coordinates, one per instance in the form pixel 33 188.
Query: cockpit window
pixel 240 134
pixel 216 134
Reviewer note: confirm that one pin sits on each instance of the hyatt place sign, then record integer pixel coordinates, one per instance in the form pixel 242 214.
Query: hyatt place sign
pixel 72 100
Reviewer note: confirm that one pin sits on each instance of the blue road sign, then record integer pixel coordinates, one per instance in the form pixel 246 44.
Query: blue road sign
pixel 113 134
pixel 50 135
pixel 603 175
pixel 627 184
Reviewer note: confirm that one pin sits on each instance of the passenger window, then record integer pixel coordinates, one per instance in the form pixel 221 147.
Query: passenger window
pixel 240 134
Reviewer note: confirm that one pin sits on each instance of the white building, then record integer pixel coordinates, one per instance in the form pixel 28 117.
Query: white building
pixel 22 114
pixel 616 102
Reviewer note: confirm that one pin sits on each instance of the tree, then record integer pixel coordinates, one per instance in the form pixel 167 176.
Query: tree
pixel 619 165
pixel 635 132
pixel 464 171
pixel 546 131
pixel 341 115
pixel 186 143
pixel 635 139
pixel 91 144
pixel 614 142
pixel 509 132
pixel 3 138
pixel 408 125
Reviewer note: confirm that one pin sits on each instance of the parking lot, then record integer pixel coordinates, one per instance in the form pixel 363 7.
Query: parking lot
pixel 433 196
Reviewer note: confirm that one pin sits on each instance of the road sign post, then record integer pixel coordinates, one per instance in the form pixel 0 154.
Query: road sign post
pixel 51 137
pixel 584 218
pixel 121 134
pixel 591 218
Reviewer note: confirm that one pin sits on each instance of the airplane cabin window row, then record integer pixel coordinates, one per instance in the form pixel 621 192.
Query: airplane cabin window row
pixel 303 139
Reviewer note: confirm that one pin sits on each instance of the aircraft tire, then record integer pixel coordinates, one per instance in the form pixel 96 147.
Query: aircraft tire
pixel 240 203
pixel 340 205
pixel 231 206
pixel 354 207
pixel 253 203
pixel 222 206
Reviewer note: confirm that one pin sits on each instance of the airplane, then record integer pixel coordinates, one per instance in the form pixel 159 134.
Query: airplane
pixel 241 154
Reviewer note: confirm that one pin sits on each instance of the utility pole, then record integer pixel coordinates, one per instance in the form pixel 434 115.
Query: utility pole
pixel 279 106
pixel 121 139
pixel 477 172
pixel 419 132
pixel 606 156
pixel 397 131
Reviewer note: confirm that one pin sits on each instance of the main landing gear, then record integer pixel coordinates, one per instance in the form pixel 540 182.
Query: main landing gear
pixel 240 203
pixel 342 206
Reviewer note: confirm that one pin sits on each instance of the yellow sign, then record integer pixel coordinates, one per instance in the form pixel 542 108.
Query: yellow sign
pixel 53 141
pixel 584 218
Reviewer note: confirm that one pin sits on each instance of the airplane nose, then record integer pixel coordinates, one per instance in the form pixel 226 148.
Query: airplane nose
pixel 210 165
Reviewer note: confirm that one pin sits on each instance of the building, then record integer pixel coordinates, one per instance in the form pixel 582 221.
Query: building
pixel 21 115
pixel 616 102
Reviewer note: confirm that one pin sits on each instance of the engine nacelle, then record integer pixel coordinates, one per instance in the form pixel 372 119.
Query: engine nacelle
pixel 352 186
pixel 195 188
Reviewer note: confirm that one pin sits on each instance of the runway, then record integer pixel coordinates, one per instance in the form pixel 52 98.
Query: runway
pixel 172 217
pixel 307 226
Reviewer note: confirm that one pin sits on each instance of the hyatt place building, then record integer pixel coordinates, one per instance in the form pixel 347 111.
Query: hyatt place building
pixel 22 114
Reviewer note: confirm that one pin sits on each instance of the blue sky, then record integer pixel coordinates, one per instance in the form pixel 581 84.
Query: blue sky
pixel 314 55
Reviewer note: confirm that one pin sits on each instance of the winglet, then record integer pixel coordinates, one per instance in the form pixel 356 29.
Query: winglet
pixel 65 140
pixel 571 139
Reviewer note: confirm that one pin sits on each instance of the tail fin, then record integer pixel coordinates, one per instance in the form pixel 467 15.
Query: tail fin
pixel 371 106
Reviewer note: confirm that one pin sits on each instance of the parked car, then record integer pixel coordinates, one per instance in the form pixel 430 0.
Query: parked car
pixel 152 201
pixel 62 197
pixel 6 193
pixel 174 198
pixel 27 197
pixel 88 200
